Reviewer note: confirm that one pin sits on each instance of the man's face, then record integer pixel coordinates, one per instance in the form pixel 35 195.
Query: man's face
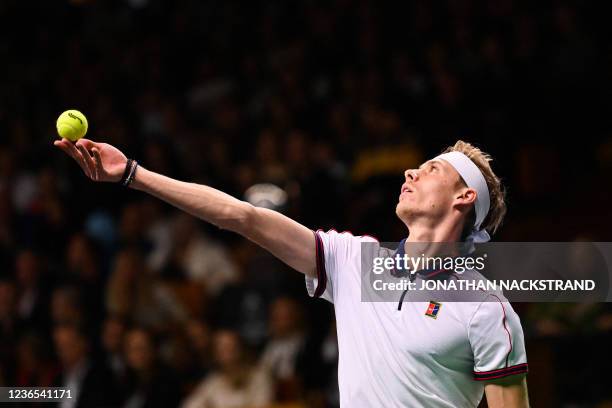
pixel 227 349
pixel 112 335
pixel 428 192
pixel 139 350
pixel 283 317
pixel 71 348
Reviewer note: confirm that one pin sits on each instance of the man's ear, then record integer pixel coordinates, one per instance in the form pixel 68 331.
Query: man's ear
pixel 466 197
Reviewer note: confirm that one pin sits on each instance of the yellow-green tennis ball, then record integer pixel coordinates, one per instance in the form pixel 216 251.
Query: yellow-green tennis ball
pixel 72 125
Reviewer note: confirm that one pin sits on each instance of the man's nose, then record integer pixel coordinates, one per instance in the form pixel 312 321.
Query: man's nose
pixel 411 174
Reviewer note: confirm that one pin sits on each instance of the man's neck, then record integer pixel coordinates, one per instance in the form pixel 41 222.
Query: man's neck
pixel 432 240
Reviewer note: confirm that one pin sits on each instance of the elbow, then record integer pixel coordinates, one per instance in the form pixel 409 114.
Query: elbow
pixel 238 218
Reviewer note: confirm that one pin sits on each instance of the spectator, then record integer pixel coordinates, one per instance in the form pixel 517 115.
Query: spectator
pixel 66 306
pixel 150 384
pixel 133 293
pixel 319 368
pixel 158 232
pixel 176 354
pixel 242 305
pixel 199 336
pixel 83 271
pixel 236 383
pixel 113 333
pixel 34 368
pixel 33 294
pixel 285 347
pixel 91 384
pixel 131 228
pixel 199 258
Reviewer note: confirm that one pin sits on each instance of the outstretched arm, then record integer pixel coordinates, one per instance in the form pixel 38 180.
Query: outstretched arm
pixel 285 238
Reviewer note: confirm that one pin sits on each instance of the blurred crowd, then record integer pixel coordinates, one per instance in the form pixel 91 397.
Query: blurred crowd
pixel 138 305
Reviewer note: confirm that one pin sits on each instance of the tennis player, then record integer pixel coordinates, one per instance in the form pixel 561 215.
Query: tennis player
pixel 415 354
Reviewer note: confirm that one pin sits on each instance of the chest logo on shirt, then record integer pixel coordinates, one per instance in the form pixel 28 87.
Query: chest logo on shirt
pixel 433 309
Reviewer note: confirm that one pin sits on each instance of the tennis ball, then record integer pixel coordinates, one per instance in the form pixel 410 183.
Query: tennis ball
pixel 72 125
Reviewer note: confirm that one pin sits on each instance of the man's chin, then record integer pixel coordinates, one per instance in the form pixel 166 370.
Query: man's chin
pixel 402 211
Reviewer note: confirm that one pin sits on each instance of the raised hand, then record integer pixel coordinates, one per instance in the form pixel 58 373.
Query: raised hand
pixel 99 161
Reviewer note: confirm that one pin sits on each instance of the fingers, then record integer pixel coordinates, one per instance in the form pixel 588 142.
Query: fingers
pixel 70 149
pixel 89 144
pixel 61 144
pixel 98 159
pixel 89 161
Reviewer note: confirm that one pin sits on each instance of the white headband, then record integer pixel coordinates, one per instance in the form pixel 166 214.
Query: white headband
pixel 472 176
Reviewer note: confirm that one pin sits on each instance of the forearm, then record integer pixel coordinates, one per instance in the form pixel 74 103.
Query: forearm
pixel 285 238
pixel 206 203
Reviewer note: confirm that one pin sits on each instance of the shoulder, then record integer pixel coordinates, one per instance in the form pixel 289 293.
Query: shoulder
pixel 486 301
pixel 343 244
pixel 345 236
pixel 493 308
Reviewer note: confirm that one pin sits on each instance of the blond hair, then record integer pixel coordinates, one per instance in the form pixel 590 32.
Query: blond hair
pixel 497 193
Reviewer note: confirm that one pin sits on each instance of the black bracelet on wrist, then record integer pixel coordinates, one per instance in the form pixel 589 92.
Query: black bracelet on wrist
pixel 129 173
pixel 126 172
pixel 132 174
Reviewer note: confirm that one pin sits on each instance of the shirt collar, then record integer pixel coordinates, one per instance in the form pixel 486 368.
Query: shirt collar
pixel 423 273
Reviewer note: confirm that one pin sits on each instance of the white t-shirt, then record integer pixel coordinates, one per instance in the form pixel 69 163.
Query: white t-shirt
pixel 406 358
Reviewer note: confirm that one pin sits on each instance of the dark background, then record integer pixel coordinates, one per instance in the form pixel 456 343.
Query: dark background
pixel 331 100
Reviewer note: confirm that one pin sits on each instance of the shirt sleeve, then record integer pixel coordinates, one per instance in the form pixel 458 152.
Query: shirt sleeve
pixel 334 251
pixel 496 337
